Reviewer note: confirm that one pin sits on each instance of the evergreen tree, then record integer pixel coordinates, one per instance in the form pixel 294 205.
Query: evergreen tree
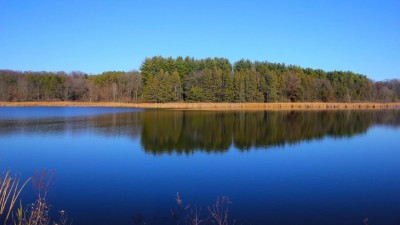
pixel 271 93
pixel 239 87
pixel 228 88
pixel 177 87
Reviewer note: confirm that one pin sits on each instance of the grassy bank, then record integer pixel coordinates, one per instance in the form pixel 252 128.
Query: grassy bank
pixel 217 106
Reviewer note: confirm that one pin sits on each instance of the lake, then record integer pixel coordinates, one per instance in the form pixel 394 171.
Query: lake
pixel 287 167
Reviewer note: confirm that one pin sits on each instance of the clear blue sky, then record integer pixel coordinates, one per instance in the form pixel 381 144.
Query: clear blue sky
pixel 95 36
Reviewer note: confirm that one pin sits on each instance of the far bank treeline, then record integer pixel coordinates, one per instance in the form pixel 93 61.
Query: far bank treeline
pixel 191 80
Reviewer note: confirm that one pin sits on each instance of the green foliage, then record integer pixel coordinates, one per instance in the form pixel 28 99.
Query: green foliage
pixel 207 80
pixel 212 80
pixel 243 65
pixel 196 94
pixel 163 87
pixel 228 88
pixel 324 90
pixel 239 87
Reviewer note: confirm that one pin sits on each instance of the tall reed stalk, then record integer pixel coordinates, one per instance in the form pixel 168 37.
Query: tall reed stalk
pixel 10 190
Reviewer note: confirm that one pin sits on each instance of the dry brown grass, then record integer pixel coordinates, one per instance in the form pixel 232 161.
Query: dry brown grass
pixel 219 106
pixel 10 190
pixel 36 213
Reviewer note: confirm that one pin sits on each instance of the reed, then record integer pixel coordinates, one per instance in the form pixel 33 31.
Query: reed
pixel 36 213
pixel 219 211
pixel 218 214
pixel 219 106
pixel 10 190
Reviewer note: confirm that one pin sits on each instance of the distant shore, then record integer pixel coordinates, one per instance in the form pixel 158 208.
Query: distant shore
pixel 217 106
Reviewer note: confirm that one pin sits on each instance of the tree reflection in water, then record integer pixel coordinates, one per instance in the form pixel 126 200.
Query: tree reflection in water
pixel 174 131
pixel 215 131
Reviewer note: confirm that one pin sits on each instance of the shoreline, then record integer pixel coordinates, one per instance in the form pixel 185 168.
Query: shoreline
pixel 215 106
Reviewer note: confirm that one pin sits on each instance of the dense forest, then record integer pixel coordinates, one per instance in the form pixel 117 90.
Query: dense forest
pixel 205 80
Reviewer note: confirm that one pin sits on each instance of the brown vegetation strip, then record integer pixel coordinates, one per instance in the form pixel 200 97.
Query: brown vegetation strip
pixel 217 106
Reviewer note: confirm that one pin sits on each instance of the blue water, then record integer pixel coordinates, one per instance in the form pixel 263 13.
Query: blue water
pixel 103 174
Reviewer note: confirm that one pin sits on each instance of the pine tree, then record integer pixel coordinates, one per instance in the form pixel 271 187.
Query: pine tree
pixel 228 88
pixel 239 87
pixel 272 87
pixel 176 84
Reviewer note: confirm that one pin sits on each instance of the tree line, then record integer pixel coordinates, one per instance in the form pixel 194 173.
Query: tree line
pixel 74 86
pixel 192 80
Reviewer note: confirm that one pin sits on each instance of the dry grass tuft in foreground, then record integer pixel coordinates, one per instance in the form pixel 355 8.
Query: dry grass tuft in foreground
pixel 10 190
pixel 35 214
pixel 218 214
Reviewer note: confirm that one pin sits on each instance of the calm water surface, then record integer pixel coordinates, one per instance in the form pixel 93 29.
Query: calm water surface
pixel 332 167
